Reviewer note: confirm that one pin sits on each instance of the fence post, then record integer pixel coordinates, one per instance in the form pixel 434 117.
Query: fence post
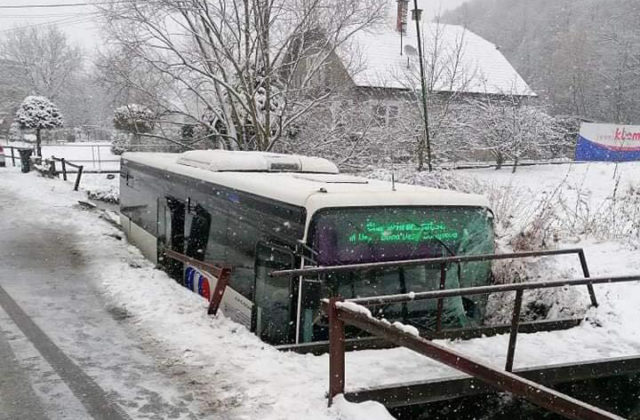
pixel 336 350
pixel 13 157
pixel 77 184
pixel 64 169
pixel 515 322
pixel 585 272
pixel 218 291
pixel 52 166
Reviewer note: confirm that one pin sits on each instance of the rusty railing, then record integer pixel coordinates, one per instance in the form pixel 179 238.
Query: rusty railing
pixel 222 273
pixel 442 262
pixel 344 312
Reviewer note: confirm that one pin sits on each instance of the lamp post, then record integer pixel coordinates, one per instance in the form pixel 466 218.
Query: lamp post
pixel 416 14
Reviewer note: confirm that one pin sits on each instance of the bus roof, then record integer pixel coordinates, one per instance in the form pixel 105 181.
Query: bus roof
pixel 312 191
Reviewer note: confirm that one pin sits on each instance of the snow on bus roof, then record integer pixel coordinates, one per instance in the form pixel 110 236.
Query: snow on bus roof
pixel 312 191
pixel 229 160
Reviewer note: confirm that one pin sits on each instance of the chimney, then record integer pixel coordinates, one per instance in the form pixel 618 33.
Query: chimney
pixel 401 17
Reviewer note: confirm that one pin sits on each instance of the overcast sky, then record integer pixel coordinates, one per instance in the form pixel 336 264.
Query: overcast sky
pixel 80 23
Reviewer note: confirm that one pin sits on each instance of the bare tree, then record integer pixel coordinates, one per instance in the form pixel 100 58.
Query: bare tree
pixel 39 61
pixel 254 64
pixel 508 128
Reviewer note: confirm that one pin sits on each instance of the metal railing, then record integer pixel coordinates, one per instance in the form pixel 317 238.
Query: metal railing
pixel 13 155
pixel 220 272
pixel 343 312
pixel 64 163
pixel 442 263
pixel 340 314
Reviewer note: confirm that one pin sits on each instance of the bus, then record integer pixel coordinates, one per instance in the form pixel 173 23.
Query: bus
pixel 258 212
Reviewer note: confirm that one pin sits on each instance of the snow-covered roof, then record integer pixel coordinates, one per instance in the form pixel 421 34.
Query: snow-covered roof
pixel 313 191
pixel 464 61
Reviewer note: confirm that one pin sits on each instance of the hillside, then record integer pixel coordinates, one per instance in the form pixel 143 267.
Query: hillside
pixel 581 55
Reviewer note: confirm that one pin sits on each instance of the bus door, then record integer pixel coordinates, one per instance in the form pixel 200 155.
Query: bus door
pixel 198 225
pixel 309 312
pixel 273 296
pixel 171 218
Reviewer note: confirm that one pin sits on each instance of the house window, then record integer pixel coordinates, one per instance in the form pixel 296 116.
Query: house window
pixel 385 115
pixel 380 114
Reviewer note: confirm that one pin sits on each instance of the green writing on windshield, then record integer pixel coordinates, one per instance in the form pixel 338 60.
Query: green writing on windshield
pixel 408 232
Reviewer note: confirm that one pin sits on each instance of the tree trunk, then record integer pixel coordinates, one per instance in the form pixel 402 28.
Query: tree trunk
pixel 515 165
pixel 420 139
pixel 499 160
pixel 38 143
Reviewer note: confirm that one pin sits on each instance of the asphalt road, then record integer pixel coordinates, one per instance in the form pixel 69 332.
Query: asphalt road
pixel 63 353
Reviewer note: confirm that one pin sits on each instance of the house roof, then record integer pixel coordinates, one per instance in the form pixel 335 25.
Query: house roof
pixel 457 59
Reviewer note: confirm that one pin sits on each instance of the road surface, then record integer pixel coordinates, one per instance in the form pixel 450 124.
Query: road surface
pixel 64 354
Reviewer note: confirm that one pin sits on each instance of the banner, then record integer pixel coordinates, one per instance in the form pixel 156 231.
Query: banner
pixel 608 142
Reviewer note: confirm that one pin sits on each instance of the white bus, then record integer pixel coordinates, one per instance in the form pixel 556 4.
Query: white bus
pixel 259 212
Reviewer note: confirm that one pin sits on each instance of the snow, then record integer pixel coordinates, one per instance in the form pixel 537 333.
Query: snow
pixel 241 377
pixel 93 156
pixel 480 68
pixel 408 329
pixel 229 160
pixel 354 307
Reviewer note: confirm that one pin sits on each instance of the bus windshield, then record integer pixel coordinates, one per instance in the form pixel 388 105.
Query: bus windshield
pixel 361 235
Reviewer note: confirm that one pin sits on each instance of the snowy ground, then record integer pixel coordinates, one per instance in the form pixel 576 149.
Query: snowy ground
pixel 94 156
pixel 234 375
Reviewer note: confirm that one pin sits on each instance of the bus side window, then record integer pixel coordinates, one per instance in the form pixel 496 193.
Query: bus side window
pixel 273 295
pixel 198 233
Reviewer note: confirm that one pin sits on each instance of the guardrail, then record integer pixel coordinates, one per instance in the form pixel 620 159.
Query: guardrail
pixel 442 262
pixel 220 272
pixel 13 156
pixel 351 312
pixel 64 163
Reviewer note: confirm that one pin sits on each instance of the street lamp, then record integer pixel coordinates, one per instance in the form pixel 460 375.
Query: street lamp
pixel 416 14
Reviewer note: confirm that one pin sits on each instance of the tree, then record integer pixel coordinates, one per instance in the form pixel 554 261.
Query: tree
pixel 39 61
pixel 134 119
pixel 255 64
pixel 581 56
pixel 38 113
pixel 509 128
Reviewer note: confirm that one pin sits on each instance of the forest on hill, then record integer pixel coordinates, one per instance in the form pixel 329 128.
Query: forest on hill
pixel 582 56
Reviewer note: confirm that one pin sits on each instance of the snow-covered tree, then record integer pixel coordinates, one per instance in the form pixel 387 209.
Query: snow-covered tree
pixel 134 118
pixel 38 113
pixel 14 132
pixel 256 64
pixel 42 60
pixel 510 129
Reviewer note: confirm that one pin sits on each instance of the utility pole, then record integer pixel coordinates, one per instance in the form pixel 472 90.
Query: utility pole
pixel 416 14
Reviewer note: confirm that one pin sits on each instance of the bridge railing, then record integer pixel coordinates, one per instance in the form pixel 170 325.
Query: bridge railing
pixel 352 312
